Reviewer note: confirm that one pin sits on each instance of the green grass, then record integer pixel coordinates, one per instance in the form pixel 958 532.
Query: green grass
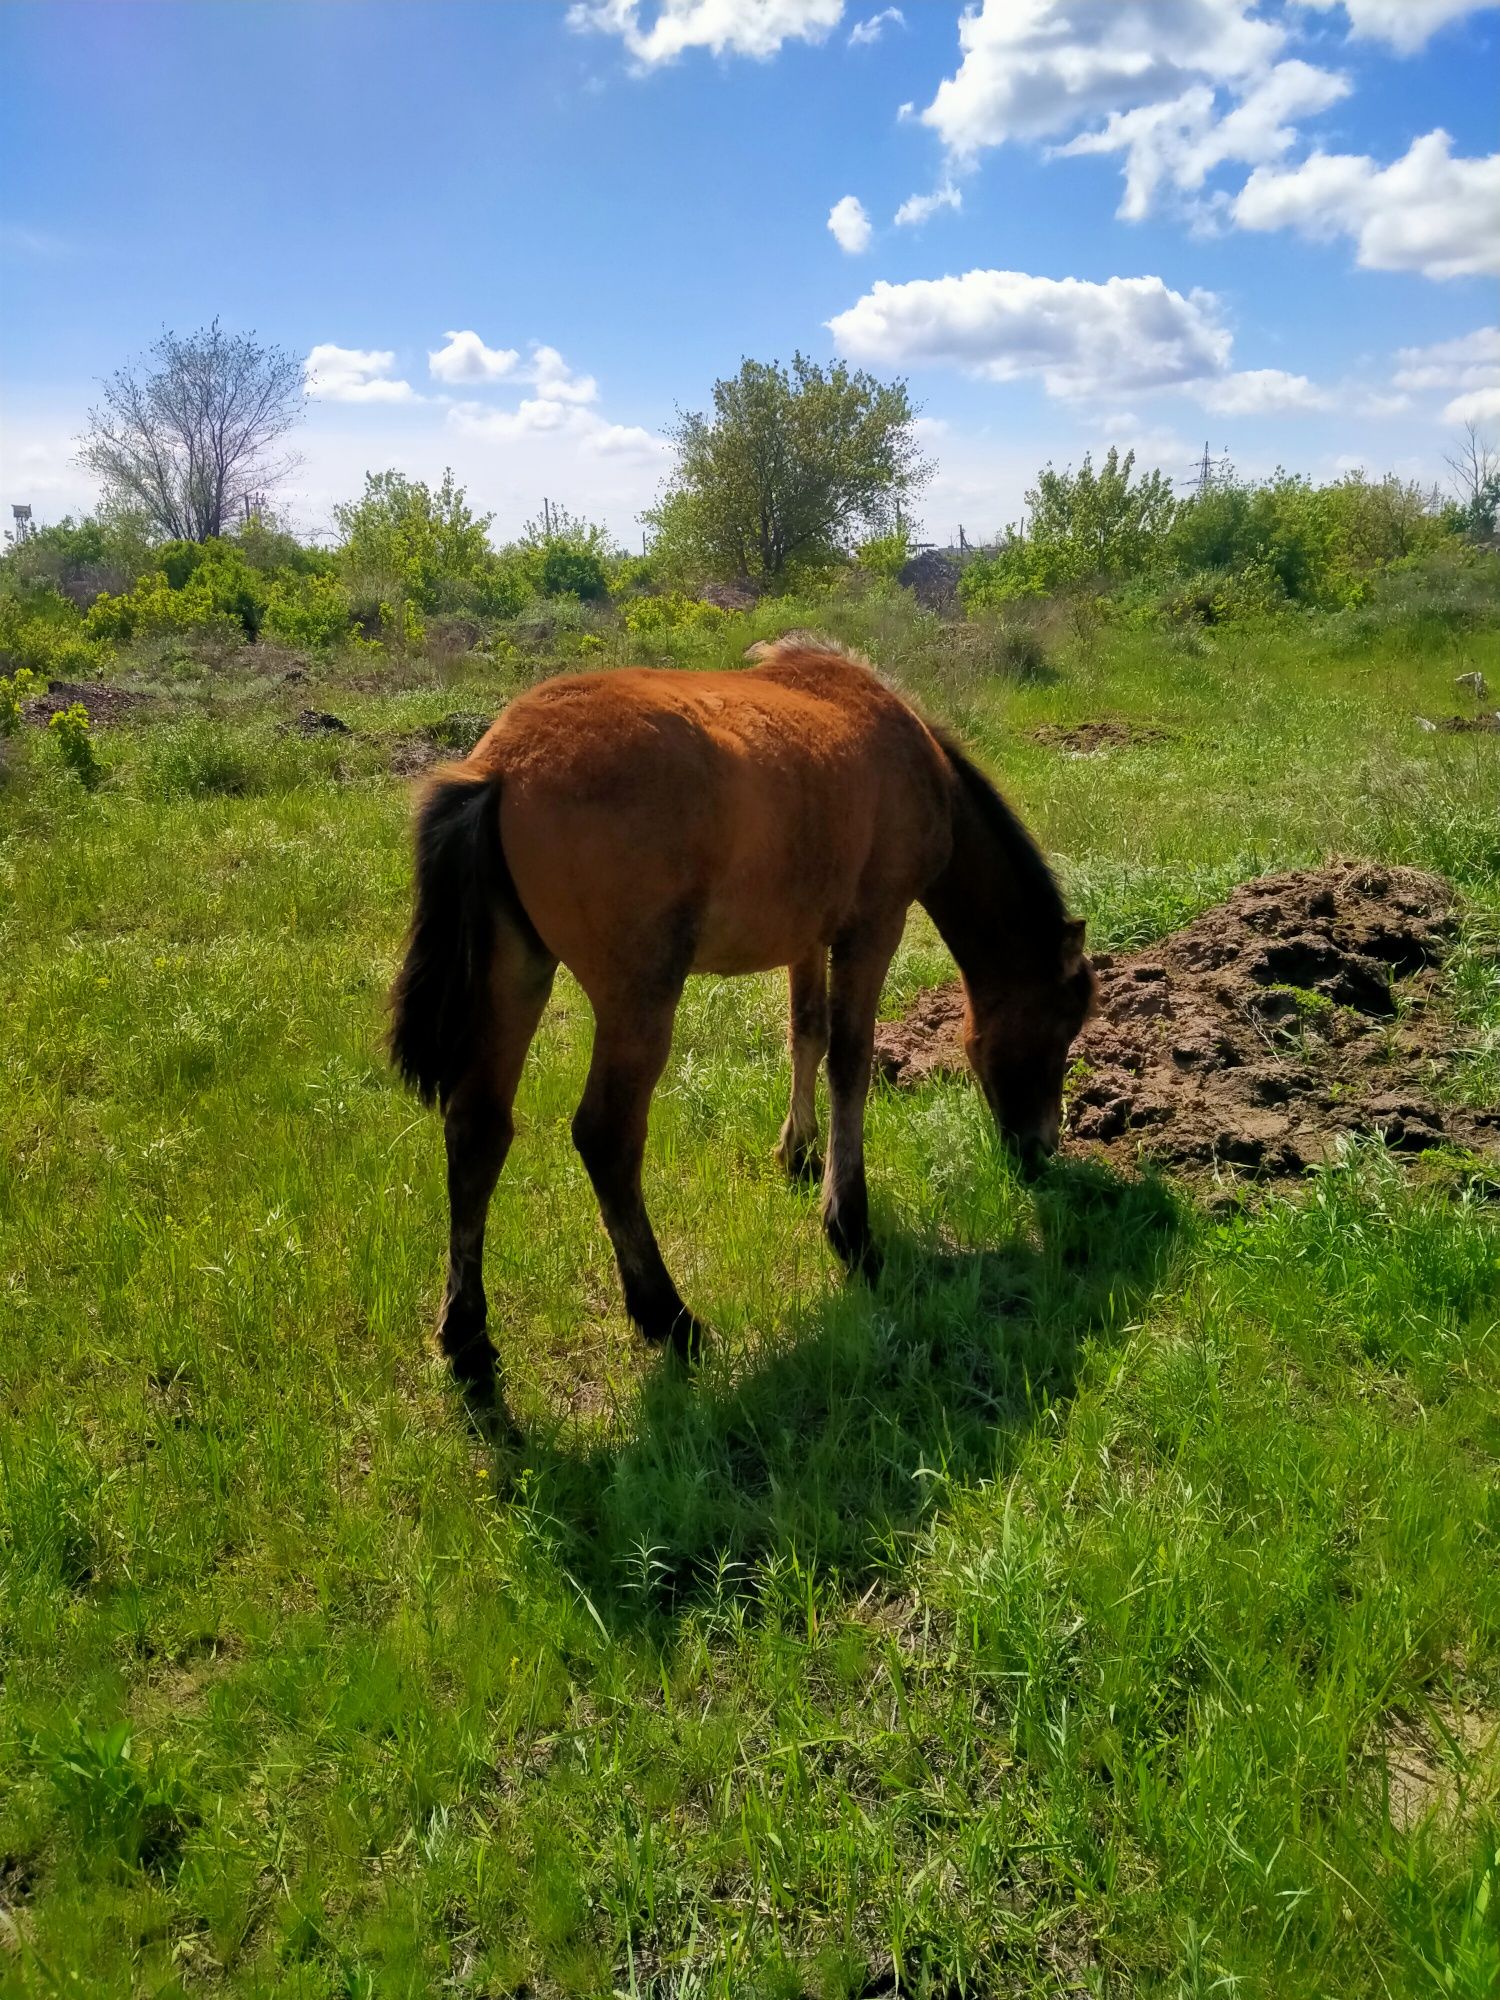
pixel 1059 1620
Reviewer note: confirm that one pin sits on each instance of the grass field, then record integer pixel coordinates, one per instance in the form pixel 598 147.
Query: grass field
pixel 1111 1605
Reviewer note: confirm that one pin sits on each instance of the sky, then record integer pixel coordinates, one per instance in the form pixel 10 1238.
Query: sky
pixel 515 239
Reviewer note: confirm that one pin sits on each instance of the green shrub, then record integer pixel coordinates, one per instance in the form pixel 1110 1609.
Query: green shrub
pixel 41 631
pixel 21 686
pixel 312 611
pixel 69 730
pixel 670 612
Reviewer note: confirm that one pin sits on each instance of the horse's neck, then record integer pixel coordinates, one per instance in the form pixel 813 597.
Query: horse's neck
pixel 980 905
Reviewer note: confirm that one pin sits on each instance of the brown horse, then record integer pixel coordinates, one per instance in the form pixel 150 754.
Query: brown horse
pixel 641 825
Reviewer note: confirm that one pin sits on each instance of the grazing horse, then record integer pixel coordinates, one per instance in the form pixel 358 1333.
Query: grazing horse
pixel 641 825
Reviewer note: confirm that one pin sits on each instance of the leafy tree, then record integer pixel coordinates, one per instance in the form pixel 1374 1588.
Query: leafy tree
pixel 103 551
pixel 402 541
pixel 1083 527
pixel 189 435
pixel 791 468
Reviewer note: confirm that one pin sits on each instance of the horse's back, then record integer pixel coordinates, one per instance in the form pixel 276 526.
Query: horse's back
pixel 754 813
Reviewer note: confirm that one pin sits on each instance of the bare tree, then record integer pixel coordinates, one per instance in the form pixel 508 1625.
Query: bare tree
pixel 188 435
pixel 1475 466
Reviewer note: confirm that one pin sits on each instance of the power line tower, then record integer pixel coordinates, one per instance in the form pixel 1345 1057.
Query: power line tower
pixel 1209 471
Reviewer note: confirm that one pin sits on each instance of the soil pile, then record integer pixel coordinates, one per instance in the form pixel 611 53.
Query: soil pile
pixel 104 704
pixel 1094 739
pixel 1302 1009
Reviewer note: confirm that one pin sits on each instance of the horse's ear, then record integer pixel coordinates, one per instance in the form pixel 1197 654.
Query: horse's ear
pixel 1072 947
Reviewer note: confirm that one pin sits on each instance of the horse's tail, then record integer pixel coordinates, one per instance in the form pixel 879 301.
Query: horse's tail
pixel 462 884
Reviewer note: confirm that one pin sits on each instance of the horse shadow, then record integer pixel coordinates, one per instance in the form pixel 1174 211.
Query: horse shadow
pixel 826 1447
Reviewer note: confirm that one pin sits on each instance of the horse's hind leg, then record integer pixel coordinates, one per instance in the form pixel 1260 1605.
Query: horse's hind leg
pixel 632 1040
pixel 797 1148
pixel 858 968
pixel 477 1129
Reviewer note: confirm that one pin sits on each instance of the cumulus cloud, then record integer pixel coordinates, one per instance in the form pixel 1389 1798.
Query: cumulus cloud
pixel 544 416
pixel 1032 69
pixel 1179 143
pixel 353 375
pixel 863 33
pixel 1470 364
pixel 555 381
pixel 467 359
pixel 1255 392
pixel 1081 339
pixel 918 207
pixel 849 224
pixel 754 28
pixel 1406 24
pixel 1426 212
pixel 1472 361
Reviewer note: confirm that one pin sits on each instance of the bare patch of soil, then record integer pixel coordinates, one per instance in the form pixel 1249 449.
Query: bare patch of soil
pixel 1302 1009
pixel 1097 739
pixel 1464 725
pixel 104 703
pixel 1425 1763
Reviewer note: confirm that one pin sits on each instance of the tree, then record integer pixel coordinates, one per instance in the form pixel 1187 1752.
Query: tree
pixel 188 435
pixel 792 468
pixel 1475 466
pixel 401 539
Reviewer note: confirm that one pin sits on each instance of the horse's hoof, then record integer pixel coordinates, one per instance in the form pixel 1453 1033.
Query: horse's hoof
pixel 802 1164
pixel 682 1336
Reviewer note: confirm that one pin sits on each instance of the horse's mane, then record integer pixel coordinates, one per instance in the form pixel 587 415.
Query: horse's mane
pixel 1035 881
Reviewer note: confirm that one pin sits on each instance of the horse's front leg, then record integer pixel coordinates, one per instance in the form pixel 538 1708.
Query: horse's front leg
pixel 797 1148
pixel 631 1043
pixel 859 961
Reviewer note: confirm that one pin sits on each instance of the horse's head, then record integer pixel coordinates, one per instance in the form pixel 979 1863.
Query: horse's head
pixel 1017 1036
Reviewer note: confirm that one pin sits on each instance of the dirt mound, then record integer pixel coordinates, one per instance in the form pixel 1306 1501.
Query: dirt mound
pixel 317 722
pixel 1464 725
pixel 1301 1009
pixel 104 704
pixel 1093 739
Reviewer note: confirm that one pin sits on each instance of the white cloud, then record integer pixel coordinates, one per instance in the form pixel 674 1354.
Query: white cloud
pixel 1406 24
pixel 545 416
pixel 1181 142
pixel 1470 364
pixel 1475 406
pixel 1257 391
pixel 918 207
pixel 555 380
pixel 863 33
pixel 849 224
pixel 726 27
pixel 467 359
pixel 1081 339
pixel 1472 361
pixel 353 375
pixel 1425 212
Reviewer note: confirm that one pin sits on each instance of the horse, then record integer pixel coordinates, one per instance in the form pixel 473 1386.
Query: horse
pixel 641 825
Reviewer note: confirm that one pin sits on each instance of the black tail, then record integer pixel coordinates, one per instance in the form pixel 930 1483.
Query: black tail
pixel 462 884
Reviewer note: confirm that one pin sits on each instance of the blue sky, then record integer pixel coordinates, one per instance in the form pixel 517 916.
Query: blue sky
pixel 1275 226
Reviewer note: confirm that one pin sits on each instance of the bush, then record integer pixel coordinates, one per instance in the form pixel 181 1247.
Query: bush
pixel 672 611
pixel 42 632
pixel 312 611
pixel 21 686
pixel 69 730
pixel 197 587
